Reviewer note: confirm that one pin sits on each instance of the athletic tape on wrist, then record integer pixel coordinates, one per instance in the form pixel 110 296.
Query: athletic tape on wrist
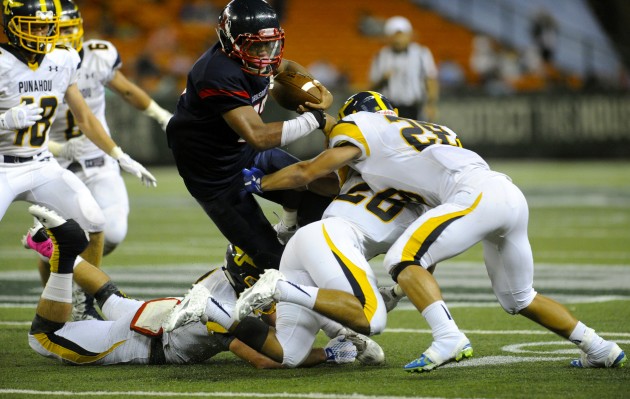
pixel 299 127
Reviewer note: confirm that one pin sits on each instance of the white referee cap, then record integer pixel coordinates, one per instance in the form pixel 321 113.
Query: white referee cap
pixel 397 24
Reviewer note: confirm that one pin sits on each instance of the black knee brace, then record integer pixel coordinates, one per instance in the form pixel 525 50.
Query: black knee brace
pixel 400 267
pixel 107 290
pixel 41 325
pixel 253 332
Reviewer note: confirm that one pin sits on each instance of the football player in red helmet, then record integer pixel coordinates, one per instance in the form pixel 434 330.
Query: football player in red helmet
pixel 217 131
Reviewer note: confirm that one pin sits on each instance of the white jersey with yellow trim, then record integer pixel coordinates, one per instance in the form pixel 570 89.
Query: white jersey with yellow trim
pixel 44 84
pixel 421 158
pixel 382 217
pixel 98 66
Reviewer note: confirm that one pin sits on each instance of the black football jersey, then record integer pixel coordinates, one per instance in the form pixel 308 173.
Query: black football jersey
pixel 208 153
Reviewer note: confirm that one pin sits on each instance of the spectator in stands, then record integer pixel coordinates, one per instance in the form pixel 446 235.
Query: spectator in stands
pixel 451 75
pixel 483 59
pixel 405 72
pixel 370 25
pixel 544 32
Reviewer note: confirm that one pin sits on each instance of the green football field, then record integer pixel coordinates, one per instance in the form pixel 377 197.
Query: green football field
pixel 580 234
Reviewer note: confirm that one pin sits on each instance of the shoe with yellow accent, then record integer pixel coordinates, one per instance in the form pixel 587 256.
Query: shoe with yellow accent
pixel 602 353
pixel 259 295
pixel 431 359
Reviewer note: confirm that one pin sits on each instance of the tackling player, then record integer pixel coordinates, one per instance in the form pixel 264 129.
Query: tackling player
pixel 217 130
pixel 470 204
pixel 321 260
pixel 37 76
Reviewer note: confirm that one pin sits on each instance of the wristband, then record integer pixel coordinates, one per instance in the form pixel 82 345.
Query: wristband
pixel 156 112
pixel 116 153
pixel 320 116
pixel 54 147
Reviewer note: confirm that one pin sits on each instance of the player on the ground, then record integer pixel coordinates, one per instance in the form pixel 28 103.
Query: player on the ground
pixel 37 77
pixel 324 258
pixel 217 130
pixel 470 204
pixel 132 333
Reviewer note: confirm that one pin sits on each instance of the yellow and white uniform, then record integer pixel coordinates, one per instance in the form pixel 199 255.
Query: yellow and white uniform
pixel 112 341
pixel 27 170
pixel 470 202
pixel 99 172
pixel 333 253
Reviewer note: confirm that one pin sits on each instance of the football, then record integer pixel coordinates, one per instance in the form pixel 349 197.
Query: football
pixel 291 89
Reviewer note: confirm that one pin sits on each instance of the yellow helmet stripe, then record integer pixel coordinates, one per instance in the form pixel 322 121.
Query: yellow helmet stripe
pixel 429 231
pixel 378 99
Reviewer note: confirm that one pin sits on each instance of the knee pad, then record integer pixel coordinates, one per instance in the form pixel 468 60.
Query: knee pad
pixel 42 325
pixel 514 303
pixel 397 269
pixel 253 332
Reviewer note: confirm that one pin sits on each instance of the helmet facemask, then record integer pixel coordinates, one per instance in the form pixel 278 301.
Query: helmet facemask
pixel 71 32
pixel 260 53
pixel 37 34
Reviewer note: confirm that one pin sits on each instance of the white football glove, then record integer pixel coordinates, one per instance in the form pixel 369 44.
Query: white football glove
pixel 21 116
pixel 339 350
pixel 133 167
pixel 158 113
pixel 71 149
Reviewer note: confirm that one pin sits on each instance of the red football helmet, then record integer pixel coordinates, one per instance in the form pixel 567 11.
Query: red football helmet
pixel 249 32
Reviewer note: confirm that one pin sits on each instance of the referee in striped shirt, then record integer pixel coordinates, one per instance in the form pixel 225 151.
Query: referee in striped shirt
pixel 405 72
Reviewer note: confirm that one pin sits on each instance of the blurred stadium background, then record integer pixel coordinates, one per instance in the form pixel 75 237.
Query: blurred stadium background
pixel 578 107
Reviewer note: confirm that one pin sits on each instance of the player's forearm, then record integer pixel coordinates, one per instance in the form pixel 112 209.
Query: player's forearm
pixel 293 176
pixel 94 131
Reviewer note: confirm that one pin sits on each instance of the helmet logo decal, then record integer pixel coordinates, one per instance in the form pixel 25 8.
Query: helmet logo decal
pixel 45 15
pixel 7 4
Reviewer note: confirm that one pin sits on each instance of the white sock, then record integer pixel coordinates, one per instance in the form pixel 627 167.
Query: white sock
pixel 443 327
pixel 58 288
pixel 296 293
pixel 289 218
pixel 219 313
pixel 578 333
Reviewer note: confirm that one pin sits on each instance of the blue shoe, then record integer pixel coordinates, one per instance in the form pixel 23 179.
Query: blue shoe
pixel 430 359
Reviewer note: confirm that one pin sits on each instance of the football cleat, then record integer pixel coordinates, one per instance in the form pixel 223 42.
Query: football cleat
pixel 45 216
pixel 68 238
pixel 611 357
pixel 190 309
pixel 258 296
pixel 83 305
pixel 37 240
pixel 284 232
pixel 431 359
pixel 391 295
pixel 369 352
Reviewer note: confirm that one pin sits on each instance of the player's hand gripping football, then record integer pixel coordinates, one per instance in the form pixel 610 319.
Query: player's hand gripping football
pixel 253 180
pixel 21 116
pixel 133 167
pixel 326 96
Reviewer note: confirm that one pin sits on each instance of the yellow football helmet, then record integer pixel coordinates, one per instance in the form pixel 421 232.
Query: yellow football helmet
pixel 70 25
pixel 32 25
pixel 369 101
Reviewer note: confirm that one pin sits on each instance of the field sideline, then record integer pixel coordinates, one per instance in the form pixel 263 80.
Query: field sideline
pixel 579 230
